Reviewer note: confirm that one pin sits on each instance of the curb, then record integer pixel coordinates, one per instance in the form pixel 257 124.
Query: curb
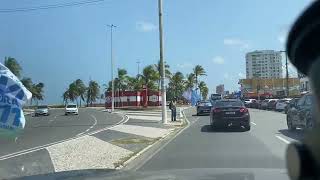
pixel 161 140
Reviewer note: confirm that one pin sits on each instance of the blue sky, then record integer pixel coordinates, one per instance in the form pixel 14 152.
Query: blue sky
pixel 57 46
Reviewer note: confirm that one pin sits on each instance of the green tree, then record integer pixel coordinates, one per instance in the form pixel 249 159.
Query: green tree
pixel 37 91
pixel 203 89
pixel 27 82
pixel 73 92
pixel 149 76
pixel 65 96
pixel 134 84
pixel 158 67
pixel 81 89
pixel 176 86
pixel 93 92
pixel 13 65
pixel 189 83
pixel 198 71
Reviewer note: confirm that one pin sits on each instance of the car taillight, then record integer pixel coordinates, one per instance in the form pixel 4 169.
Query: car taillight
pixel 216 110
pixel 243 110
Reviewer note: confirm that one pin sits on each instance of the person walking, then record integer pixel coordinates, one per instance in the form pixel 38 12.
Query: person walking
pixel 173 108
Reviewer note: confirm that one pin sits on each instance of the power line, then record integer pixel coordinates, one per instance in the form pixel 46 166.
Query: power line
pixel 52 6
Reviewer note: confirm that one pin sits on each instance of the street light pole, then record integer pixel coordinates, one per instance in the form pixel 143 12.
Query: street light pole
pixel 163 90
pixel 287 74
pixel 111 26
pixel 138 62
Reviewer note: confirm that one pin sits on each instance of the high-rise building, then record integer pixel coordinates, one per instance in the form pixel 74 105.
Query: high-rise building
pixel 265 64
pixel 220 89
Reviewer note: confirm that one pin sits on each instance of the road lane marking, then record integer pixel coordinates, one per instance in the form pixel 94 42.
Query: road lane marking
pixel 87 130
pixel 283 139
pixel 37 148
pixel 253 123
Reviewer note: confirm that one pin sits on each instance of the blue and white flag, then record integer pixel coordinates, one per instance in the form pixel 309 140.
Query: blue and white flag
pixel 194 97
pixel 12 97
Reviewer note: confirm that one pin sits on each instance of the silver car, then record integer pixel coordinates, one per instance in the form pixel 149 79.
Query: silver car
pixel 42 110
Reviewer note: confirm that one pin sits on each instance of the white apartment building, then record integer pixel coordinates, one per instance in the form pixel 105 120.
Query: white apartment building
pixel 265 64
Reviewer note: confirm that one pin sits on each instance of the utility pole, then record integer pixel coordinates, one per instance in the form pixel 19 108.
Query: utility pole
pixel 163 90
pixel 287 74
pixel 138 62
pixel 111 26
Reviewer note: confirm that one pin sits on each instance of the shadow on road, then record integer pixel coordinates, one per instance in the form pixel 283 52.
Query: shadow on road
pixel 210 129
pixel 201 115
pixel 296 134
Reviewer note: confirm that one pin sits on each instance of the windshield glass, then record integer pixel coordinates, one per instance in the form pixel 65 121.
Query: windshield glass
pixel 121 76
pixel 228 103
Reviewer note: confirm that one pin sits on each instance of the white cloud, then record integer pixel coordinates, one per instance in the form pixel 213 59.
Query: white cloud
pixel 236 42
pixel 144 26
pixel 218 60
pixel 185 65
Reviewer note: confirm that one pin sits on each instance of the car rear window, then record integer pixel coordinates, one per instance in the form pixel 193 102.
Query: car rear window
pixel 71 106
pixel 205 104
pixel 228 103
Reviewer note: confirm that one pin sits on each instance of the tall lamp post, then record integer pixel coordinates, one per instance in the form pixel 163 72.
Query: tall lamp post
pixel 287 73
pixel 163 90
pixel 111 26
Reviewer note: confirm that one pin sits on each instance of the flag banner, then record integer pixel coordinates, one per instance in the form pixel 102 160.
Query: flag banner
pixel 13 95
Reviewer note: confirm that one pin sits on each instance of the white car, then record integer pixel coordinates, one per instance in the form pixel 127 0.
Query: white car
pixel 248 102
pixel 71 109
pixel 282 103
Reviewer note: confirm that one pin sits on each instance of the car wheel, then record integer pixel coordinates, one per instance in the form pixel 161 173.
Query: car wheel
pixel 247 127
pixel 289 124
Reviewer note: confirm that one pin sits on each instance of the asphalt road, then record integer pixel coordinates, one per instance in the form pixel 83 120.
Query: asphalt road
pixel 43 130
pixel 199 146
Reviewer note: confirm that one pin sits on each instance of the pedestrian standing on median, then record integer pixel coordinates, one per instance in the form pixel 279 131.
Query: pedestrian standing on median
pixel 172 107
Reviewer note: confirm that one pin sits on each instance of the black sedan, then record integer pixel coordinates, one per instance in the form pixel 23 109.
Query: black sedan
pixel 230 112
pixel 204 108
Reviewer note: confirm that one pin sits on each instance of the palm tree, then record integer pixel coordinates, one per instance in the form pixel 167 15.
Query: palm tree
pixel 198 71
pixel 190 81
pixel 65 96
pixel 37 91
pixel 205 91
pixel 81 89
pixel 203 88
pixel 176 84
pixel 158 67
pixel 134 84
pixel 149 76
pixel 13 66
pixel 93 92
pixel 73 92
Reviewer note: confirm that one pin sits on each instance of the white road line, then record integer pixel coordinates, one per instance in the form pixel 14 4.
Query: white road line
pixel 253 123
pixel 37 148
pixel 283 139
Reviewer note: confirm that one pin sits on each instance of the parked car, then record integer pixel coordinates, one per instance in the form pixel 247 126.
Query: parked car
pixel 42 110
pixel 230 112
pixel 204 107
pixel 300 114
pixel 256 104
pixel 248 102
pixel 291 103
pixel 282 104
pixel 272 104
pixel 71 109
pixel 264 104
